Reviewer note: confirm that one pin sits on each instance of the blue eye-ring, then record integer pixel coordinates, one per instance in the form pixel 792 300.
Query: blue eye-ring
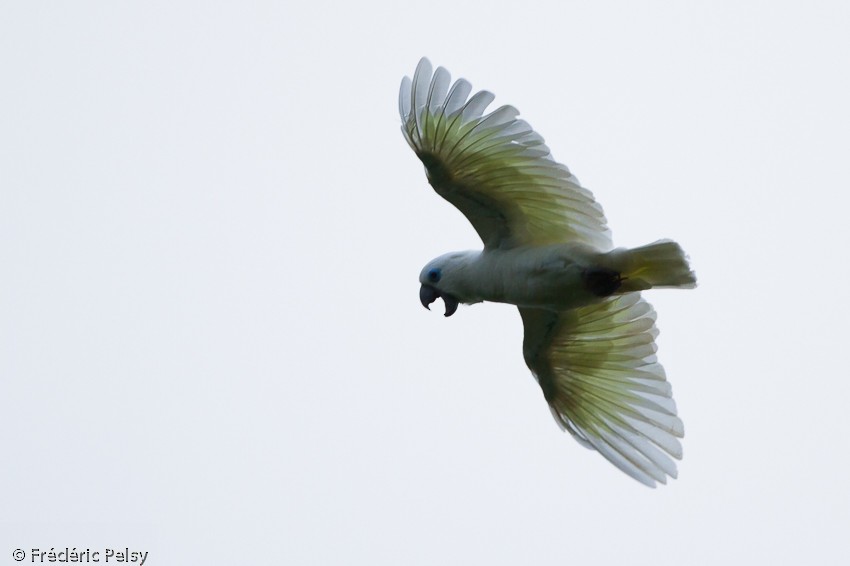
pixel 434 275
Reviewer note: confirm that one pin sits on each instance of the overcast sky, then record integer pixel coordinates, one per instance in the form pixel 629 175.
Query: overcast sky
pixel 211 229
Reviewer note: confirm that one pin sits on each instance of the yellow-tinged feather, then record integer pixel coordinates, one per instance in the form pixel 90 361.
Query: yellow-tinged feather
pixel 597 368
pixel 494 167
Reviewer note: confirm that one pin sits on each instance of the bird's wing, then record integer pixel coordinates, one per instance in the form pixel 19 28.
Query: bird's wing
pixel 598 371
pixel 495 168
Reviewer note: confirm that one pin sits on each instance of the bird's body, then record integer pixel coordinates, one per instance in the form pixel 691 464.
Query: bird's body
pixel 525 276
pixel 555 277
pixel 589 336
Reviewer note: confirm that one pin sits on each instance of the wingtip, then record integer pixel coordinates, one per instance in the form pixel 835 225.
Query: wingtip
pixel 404 98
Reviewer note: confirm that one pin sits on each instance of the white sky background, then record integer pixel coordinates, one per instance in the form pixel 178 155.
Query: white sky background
pixel 211 229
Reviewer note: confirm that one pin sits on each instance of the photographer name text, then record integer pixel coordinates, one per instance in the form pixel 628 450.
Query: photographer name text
pixel 107 555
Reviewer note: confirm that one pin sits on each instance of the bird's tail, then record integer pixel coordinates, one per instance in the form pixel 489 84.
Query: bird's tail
pixel 660 264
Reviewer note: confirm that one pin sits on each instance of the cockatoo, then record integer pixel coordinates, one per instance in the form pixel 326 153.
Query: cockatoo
pixel 589 337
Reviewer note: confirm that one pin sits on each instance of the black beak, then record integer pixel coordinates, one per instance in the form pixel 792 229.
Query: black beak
pixel 428 294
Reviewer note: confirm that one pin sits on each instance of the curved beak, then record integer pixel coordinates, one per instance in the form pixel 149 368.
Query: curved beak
pixel 429 294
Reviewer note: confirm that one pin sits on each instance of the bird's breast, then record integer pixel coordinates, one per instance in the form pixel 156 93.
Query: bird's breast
pixel 540 277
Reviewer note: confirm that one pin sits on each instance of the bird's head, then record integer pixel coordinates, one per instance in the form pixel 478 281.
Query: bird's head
pixel 443 278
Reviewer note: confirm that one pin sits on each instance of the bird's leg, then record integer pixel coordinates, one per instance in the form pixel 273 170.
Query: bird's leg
pixel 601 281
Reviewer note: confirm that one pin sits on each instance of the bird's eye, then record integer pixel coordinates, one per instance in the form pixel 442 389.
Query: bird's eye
pixel 434 275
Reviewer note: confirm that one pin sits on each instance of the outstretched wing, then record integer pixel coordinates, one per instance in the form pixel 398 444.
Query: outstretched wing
pixel 598 371
pixel 495 168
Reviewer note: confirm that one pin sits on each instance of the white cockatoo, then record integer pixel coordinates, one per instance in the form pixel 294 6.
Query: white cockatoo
pixel 589 335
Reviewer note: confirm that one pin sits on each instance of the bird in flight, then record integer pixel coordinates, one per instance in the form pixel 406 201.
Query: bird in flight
pixel 589 336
